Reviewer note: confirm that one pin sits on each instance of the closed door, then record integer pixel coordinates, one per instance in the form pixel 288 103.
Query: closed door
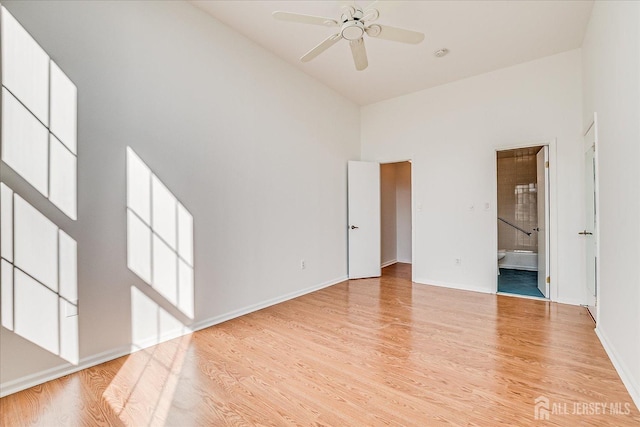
pixel 542 162
pixel 364 219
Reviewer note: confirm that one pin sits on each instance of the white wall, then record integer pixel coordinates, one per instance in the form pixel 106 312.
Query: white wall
pixel 611 85
pixel 254 149
pixel 403 211
pixel 451 133
pixel 388 220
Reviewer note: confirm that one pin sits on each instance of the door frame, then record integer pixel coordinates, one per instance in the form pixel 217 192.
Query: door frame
pixel 545 176
pixel 552 227
pixel 413 208
pixel 596 190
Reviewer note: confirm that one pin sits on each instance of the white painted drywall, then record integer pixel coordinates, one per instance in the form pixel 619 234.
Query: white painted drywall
pixel 451 133
pixel 388 234
pixel 254 149
pixel 403 211
pixel 611 87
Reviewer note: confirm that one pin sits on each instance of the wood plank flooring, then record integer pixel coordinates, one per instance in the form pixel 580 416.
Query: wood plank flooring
pixel 361 353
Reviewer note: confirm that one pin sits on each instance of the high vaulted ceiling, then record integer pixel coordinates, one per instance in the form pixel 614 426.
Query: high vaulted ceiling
pixel 481 36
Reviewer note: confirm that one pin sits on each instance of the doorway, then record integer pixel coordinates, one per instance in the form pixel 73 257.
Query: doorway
pixel 523 221
pixel 395 213
pixel 367 196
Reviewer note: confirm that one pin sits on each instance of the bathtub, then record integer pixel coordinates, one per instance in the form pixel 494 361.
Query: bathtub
pixel 520 260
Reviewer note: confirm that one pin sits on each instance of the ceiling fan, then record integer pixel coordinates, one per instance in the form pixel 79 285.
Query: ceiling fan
pixel 354 23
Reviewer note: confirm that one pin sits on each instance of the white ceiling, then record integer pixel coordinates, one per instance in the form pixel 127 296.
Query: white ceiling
pixel 481 35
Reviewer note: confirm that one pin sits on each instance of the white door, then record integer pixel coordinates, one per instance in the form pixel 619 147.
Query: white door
pixel 364 219
pixel 589 231
pixel 542 162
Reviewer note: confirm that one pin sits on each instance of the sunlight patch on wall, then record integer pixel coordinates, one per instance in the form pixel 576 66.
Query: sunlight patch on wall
pixel 25 67
pixel 39 278
pixel 150 323
pixel 25 143
pixel 39 117
pixel 63 108
pixel 159 236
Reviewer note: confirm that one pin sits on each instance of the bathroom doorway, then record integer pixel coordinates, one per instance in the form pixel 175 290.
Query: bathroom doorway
pixel 523 221
pixel 395 213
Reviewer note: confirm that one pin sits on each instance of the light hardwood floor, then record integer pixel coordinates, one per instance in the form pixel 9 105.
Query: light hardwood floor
pixel 360 353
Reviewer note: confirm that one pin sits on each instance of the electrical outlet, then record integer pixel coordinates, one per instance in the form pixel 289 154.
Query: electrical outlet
pixel 302 265
pixel 458 261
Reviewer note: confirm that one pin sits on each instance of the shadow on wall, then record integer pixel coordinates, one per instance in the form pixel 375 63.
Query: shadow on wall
pixel 39 297
pixel 39 110
pixel 160 252
pixel 39 260
pixel 39 278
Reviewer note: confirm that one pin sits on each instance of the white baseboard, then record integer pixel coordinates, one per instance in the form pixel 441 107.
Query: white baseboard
pixel 166 336
pixel 458 286
pixel 508 295
pixel 41 377
pixel 202 324
pixel 517 267
pixel 629 382
pixel 388 263
pixel 569 301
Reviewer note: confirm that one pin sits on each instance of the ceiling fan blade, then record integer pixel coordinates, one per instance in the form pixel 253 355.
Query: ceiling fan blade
pixel 394 34
pixel 305 19
pixel 359 54
pixel 324 45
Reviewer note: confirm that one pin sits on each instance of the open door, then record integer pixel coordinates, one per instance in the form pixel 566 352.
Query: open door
pixel 589 231
pixel 542 162
pixel 364 219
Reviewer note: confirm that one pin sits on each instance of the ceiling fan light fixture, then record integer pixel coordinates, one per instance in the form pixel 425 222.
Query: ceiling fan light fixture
pixel 441 52
pixel 352 30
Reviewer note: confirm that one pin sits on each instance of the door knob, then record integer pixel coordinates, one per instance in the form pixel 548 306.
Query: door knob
pixel 586 233
pixel 353 227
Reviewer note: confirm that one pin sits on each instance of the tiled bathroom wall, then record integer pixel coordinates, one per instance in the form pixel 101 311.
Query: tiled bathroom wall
pixel 517 199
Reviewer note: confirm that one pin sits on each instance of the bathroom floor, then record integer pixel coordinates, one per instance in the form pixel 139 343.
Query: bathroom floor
pixel 519 282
